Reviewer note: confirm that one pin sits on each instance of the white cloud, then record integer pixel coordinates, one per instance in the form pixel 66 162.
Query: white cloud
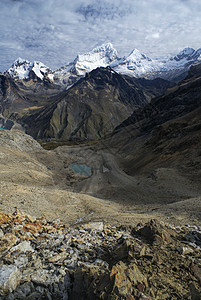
pixel 54 31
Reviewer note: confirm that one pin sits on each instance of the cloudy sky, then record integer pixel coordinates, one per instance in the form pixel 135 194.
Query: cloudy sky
pixel 55 31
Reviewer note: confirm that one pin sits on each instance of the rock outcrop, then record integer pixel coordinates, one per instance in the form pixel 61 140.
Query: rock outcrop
pixel 50 260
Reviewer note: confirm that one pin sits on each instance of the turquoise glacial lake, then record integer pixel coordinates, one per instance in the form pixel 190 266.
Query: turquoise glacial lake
pixel 80 169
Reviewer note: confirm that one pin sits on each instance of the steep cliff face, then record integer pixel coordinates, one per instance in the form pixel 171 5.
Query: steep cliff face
pixel 91 109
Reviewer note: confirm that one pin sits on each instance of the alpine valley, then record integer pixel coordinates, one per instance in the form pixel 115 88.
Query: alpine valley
pixel 100 165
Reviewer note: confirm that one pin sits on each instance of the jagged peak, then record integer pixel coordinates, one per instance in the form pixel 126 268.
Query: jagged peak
pixel 105 50
pixel 20 61
pixel 137 55
pixel 105 47
pixel 135 64
pixel 21 69
pixel 185 53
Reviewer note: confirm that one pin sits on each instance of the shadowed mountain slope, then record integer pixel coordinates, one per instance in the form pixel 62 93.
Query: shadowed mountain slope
pixel 91 109
pixel 166 132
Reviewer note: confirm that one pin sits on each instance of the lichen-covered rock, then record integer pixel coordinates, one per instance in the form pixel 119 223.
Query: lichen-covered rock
pixel 128 280
pixel 122 285
pixel 9 279
pixel 4 218
pixel 22 247
pixel 7 242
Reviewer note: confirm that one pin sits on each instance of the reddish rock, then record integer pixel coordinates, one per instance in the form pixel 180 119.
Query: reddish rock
pixel 8 241
pixel 4 218
pixel 33 227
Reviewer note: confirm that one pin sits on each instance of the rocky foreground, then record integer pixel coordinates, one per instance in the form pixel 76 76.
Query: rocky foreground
pixel 50 260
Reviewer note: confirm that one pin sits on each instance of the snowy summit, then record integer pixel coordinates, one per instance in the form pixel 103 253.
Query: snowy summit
pixel 99 57
pixel 22 68
pixel 136 64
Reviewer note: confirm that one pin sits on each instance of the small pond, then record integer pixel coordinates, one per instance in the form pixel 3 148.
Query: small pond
pixel 3 128
pixel 80 169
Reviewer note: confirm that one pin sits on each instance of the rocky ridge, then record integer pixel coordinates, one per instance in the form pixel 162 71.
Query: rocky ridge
pixel 50 260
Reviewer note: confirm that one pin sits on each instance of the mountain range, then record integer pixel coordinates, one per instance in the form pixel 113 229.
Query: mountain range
pixel 90 109
pixel 136 64
pixel 88 98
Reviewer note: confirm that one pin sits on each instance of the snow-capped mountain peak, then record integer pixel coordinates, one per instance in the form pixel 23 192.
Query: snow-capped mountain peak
pixel 21 69
pixel 100 56
pixel 106 50
pixel 135 64
pixel 186 53
pixel 136 56
pixel 100 52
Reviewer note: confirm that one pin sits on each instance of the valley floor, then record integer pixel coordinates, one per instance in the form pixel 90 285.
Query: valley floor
pixel 40 182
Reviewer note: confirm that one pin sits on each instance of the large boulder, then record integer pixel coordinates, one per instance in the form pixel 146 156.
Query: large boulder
pixel 9 279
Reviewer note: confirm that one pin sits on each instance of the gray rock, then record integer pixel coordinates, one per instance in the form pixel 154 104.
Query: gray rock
pixel 38 263
pixel 9 279
pixel 101 263
pixel 44 277
pixel 194 237
pixel 58 257
pixel 22 247
pixel 34 296
pixel 94 226
pixel 26 288
pixel 185 250
pixel 72 262
pixel 1 233
pixel 10 297
pixel 19 295
pixel 21 261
